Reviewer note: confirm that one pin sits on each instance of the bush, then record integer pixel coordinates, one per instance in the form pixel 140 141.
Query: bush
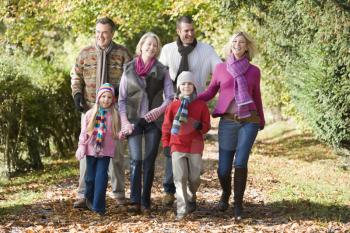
pixel 306 44
pixel 36 118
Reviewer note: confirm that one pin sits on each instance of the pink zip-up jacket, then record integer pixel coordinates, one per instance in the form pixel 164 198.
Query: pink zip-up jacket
pixel 86 144
pixel 223 82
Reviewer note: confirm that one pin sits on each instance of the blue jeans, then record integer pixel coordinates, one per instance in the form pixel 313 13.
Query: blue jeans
pixel 143 167
pixel 96 179
pixel 235 143
pixel 168 182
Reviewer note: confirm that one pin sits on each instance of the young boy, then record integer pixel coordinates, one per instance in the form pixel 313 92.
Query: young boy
pixel 186 120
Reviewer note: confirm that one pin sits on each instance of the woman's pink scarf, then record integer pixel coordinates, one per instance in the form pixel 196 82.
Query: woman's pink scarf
pixel 237 68
pixel 141 68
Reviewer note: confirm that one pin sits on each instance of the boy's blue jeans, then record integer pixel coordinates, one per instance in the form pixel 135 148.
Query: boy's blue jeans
pixel 235 143
pixel 96 182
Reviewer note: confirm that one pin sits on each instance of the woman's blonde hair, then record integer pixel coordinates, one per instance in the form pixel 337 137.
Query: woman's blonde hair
pixel 143 39
pixel 115 120
pixel 250 45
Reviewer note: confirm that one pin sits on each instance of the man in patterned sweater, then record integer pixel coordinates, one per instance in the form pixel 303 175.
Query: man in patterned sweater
pixel 186 54
pixel 95 65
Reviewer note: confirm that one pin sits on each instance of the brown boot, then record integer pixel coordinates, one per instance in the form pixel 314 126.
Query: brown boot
pixel 168 199
pixel 120 201
pixel 80 203
pixel 134 208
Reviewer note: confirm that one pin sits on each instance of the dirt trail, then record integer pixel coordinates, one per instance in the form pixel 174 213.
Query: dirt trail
pixel 54 213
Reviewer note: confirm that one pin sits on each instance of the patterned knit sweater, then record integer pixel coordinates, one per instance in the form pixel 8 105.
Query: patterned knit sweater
pixel 83 73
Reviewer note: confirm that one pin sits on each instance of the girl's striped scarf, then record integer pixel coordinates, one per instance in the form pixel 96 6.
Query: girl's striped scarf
pixel 182 113
pixel 100 129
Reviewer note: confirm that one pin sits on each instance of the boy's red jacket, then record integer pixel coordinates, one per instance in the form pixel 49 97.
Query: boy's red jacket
pixel 188 140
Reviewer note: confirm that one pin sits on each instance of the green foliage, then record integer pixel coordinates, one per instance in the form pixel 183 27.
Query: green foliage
pixel 304 52
pixel 307 46
pixel 305 59
pixel 20 102
pixel 36 115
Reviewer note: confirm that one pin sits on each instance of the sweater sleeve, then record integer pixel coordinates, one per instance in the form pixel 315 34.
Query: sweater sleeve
pixel 162 58
pixel 258 101
pixel 83 137
pixel 122 99
pixel 167 124
pixel 214 60
pixel 212 88
pixel 168 91
pixel 205 119
pixel 76 75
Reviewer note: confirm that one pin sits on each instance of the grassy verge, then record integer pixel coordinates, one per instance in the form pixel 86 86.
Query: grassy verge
pixel 302 178
pixel 28 188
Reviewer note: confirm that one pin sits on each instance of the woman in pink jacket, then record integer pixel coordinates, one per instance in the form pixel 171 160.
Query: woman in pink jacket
pixel 97 141
pixel 241 115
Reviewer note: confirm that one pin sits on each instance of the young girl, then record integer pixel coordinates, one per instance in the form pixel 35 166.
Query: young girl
pixel 97 140
pixel 185 122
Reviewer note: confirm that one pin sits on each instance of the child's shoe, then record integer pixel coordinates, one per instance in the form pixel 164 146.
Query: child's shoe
pixel 80 203
pixel 168 199
pixel 191 206
pixel 135 208
pixel 180 217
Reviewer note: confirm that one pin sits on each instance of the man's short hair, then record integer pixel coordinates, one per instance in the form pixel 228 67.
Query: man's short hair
pixel 106 20
pixel 184 19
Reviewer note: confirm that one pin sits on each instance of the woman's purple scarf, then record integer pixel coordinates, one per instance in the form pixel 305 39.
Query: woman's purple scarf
pixel 142 69
pixel 237 68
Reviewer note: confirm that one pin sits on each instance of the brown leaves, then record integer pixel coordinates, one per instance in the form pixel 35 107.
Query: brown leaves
pixel 54 211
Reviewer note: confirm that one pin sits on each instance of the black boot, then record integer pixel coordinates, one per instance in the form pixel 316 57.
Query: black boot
pixel 239 184
pixel 225 182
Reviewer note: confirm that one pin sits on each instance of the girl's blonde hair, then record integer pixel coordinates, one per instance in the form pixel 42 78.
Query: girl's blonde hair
pixel 143 39
pixel 250 45
pixel 115 120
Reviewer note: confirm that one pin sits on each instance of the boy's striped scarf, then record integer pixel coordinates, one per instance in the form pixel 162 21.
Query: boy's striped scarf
pixel 100 129
pixel 182 114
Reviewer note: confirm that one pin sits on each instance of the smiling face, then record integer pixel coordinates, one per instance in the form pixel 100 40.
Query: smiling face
pixel 106 100
pixel 186 88
pixel 149 48
pixel 103 35
pixel 239 46
pixel 186 33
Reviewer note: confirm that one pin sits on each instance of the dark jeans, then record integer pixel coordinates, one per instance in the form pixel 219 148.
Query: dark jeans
pixel 235 143
pixel 168 182
pixel 143 167
pixel 96 182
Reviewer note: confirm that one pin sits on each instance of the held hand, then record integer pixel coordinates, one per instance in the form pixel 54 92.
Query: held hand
pixel 80 153
pixel 121 136
pixel 127 129
pixel 166 151
pixel 198 125
pixel 153 115
pixel 78 102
